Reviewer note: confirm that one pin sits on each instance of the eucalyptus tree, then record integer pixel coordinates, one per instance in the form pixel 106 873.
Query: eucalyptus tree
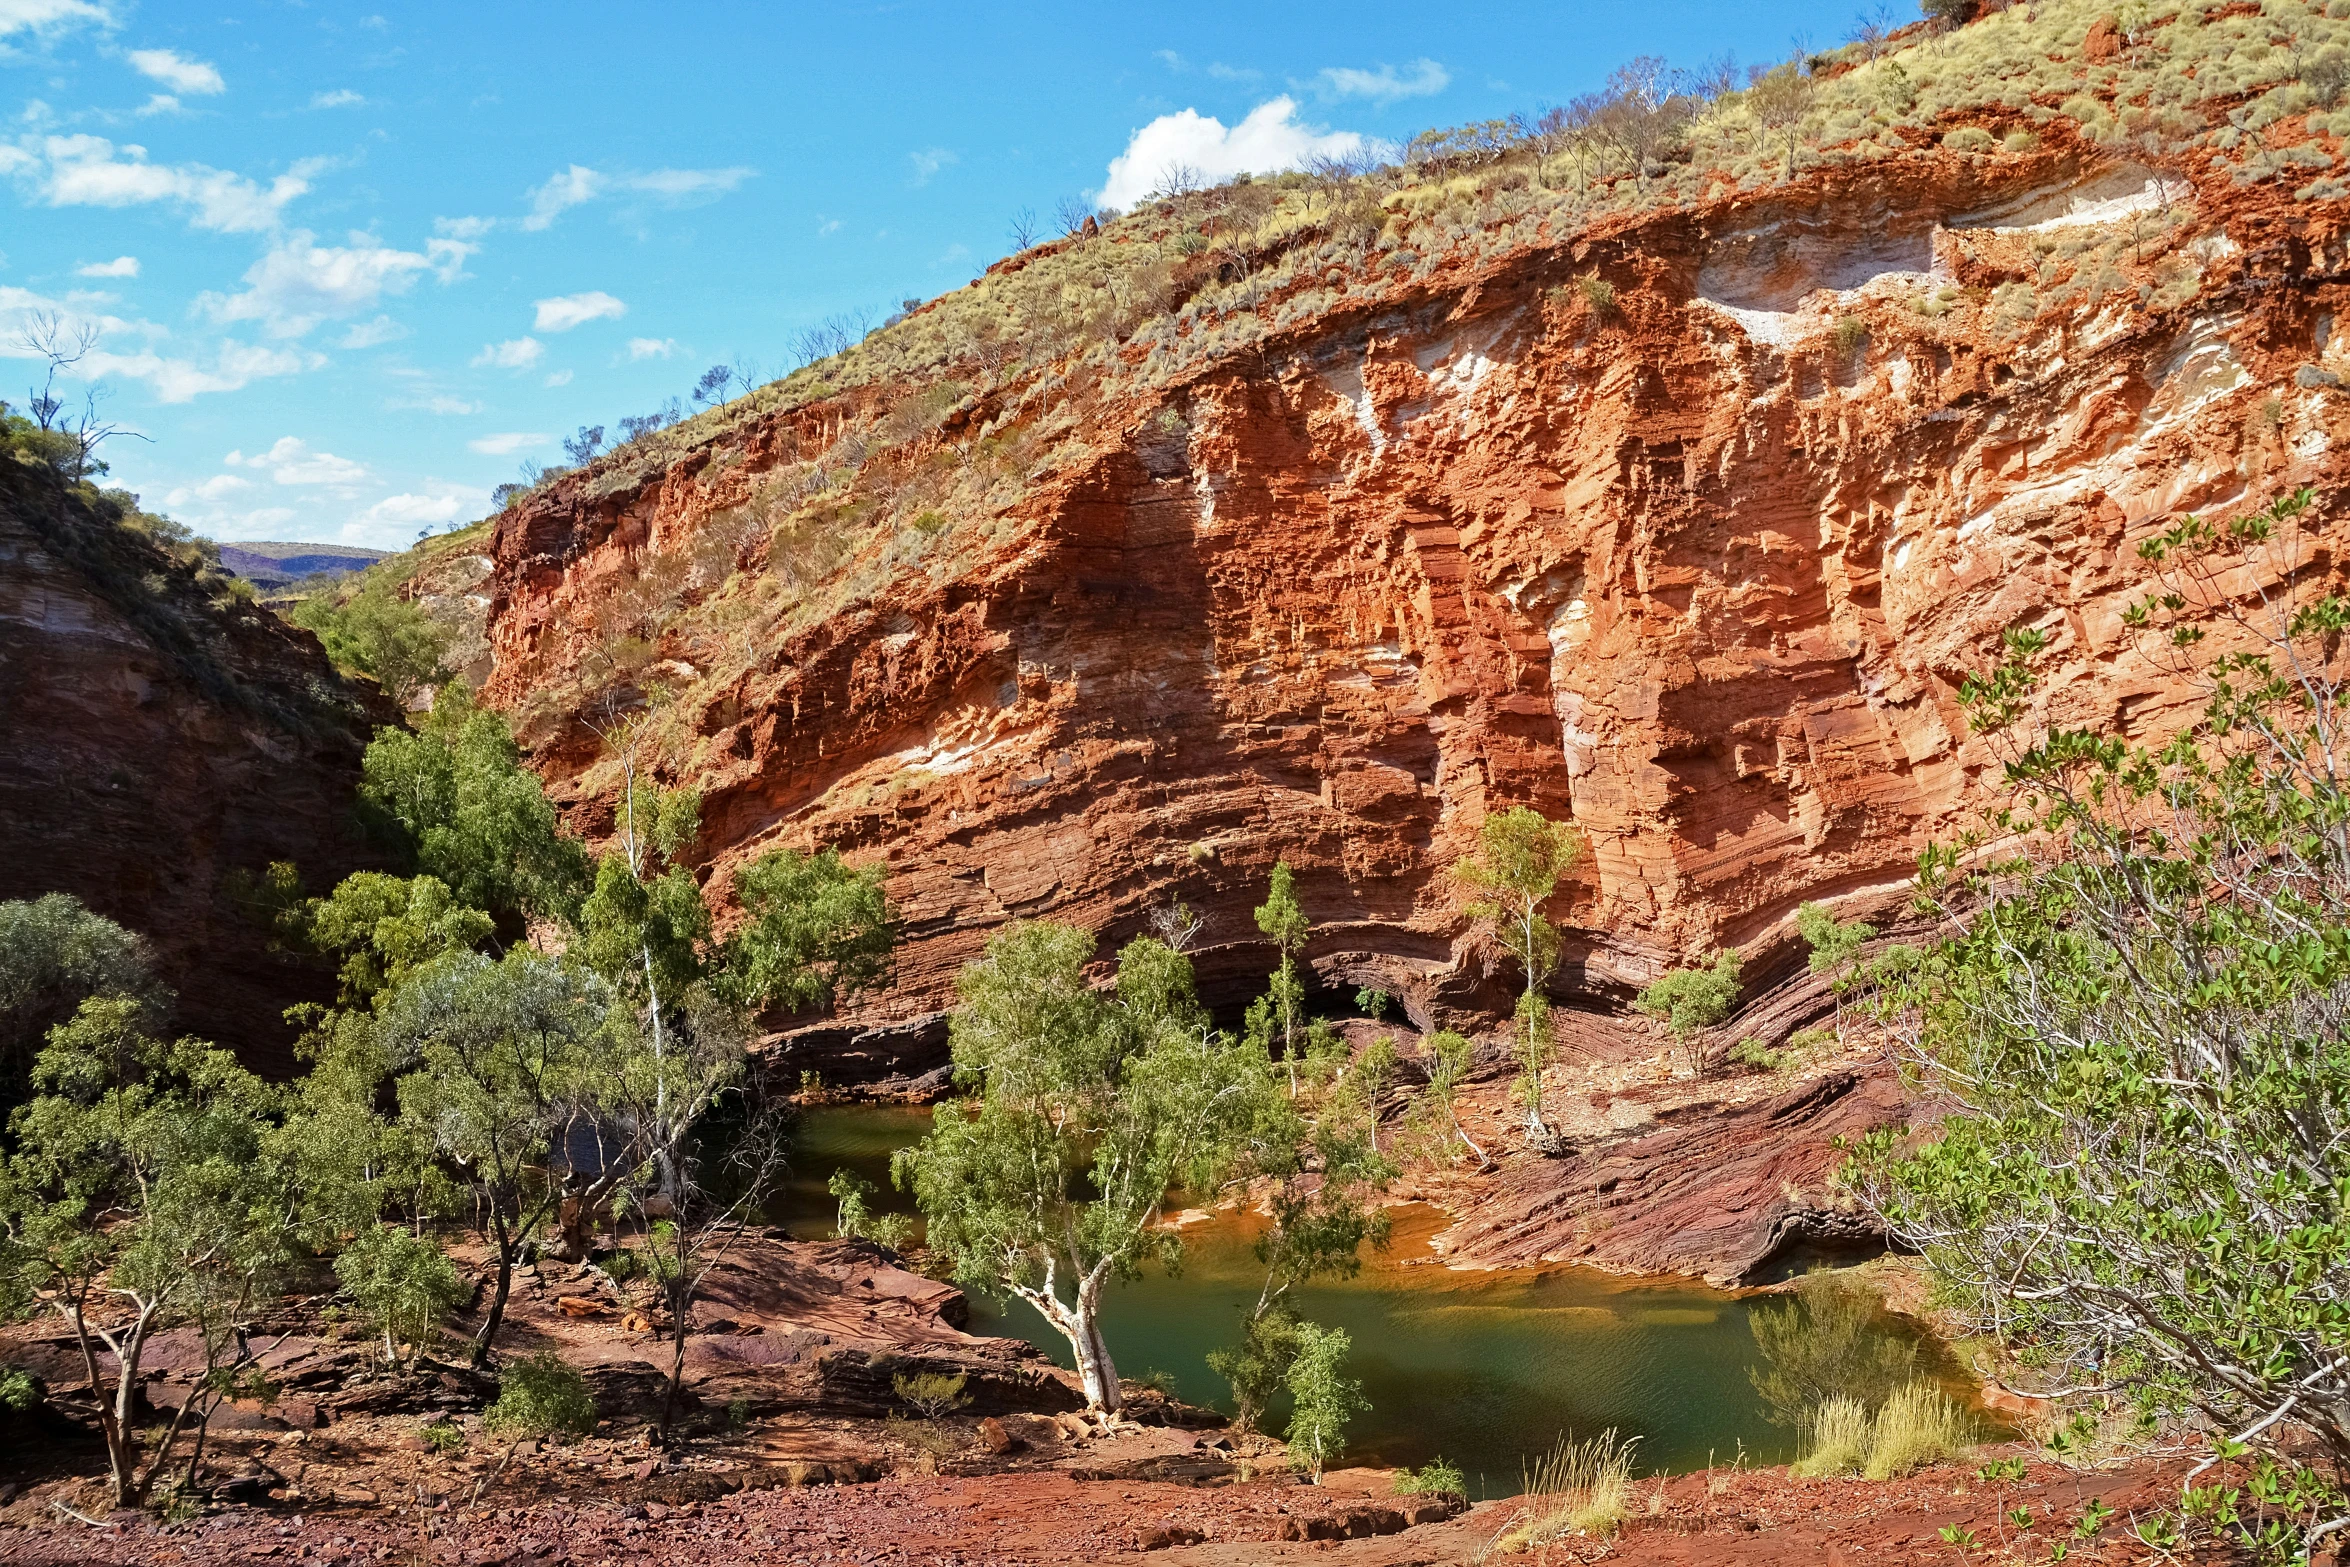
pixel 1521 857
pixel 1085 1110
pixel 140 1193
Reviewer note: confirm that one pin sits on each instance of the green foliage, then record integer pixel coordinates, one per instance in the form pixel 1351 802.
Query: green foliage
pixel 1258 1366
pixel 1831 1340
pixel 1834 943
pixel 54 955
pixel 444 1436
pixel 1086 1109
pixel 19 1393
pixel 1752 1052
pixel 1690 1001
pixel 387 927
pixel 456 798
pixel 1852 334
pixel 142 1180
pixel 1598 294
pixel 1578 1488
pixel 403 1286
pixel 1374 1003
pixel 814 930
pixel 540 1396
pixel 1522 855
pixel 856 1216
pixel 932 1395
pixel 1433 1478
pixel 1919 1425
pixel 1322 1398
pixel 2139 1032
pixel 1282 1008
pixel 375 632
pixel 1837 1433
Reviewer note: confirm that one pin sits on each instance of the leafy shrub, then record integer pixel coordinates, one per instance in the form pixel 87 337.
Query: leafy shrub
pixel 1751 1052
pixel 933 1395
pixel 402 1284
pixel 1598 293
pixel 856 1218
pixel 1851 333
pixel 1830 1341
pixel 1690 1001
pixel 1433 1478
pixel 444 1436
pixel 541 1396
pixel 1323 1399
pixel 19 1393
pixel 375 633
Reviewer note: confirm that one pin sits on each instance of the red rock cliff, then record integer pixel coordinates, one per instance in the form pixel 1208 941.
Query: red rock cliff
pixel 1683 525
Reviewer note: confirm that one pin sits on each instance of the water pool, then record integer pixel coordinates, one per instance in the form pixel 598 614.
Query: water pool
pixel 1483 1368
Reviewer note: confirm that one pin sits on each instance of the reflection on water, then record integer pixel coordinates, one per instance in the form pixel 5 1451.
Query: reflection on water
pixel 1485 1369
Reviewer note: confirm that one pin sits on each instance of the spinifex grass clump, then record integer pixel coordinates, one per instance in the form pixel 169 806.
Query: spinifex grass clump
pixel 1578 1488
pixel 1918 1425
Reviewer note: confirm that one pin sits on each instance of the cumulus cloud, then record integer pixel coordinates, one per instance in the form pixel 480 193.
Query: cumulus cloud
pixel 159 103
pixel 467 229
pixel 300 283
pixel 176 71
pixel 566 311
pixel 290 460
pixel 506 443
pixel 651 347
pixel 1270 139
pixel 233 366
pixel 90 171
pixel 219 487
pixel 1423 78
pixel 517 353
pixel 49 16
pixel 340 98
pixel 396 520
pixel 559 378
pixel 120 266
pixel 579 184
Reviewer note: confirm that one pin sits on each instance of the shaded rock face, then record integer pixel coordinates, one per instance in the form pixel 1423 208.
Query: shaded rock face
pixel 1719 1194
pixel 1699 569
pixel 142 778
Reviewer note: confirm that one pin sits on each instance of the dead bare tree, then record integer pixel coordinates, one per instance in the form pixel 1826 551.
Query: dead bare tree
pixel 1070 212
pixel 73 438
pixel 1023 229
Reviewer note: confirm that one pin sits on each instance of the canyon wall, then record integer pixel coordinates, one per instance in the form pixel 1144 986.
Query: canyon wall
pixel 156 749
pixel 1683 527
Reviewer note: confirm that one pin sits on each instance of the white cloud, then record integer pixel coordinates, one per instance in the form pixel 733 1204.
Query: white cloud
pixel 439 403
pixel 467 229
pixel 518 353
pixel 566 311
pixel 1233 73
pixel 578 185
pixel 86 171
pixel 506 443
pixel 262 522
pixel 1270 139
pixel 929 161
pixel 372 334
pixel 158 103
pixel 395 520
pixel 651 347
pixel 340 98
pixel 176 71
pixel 829 226
pixel 290 460
pixel 45 16
pixel 300 283
pixel 234 365
pixel 219 487
pixel 1384 86
pixel 120 266
pixel 559 378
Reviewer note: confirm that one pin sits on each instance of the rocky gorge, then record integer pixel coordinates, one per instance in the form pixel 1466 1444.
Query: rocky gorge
pixel 1311 521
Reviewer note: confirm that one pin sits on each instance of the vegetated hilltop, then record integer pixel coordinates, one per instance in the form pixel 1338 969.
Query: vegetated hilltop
pixel 273 568
pixel 1664 464
pixel 162 738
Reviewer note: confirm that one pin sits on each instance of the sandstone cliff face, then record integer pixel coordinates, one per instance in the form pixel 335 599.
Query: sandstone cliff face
pixel 1697 566
pixel 140 775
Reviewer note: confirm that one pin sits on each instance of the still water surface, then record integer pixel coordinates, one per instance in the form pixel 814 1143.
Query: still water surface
pixel 1486 1369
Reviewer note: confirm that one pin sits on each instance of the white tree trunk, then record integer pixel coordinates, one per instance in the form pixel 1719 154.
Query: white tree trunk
pixel 1080 1324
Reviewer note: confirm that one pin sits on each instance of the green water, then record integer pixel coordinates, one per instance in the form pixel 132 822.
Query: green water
pixel 1483 1368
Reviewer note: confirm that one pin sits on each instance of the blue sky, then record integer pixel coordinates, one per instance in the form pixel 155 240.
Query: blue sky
pixel 351 265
